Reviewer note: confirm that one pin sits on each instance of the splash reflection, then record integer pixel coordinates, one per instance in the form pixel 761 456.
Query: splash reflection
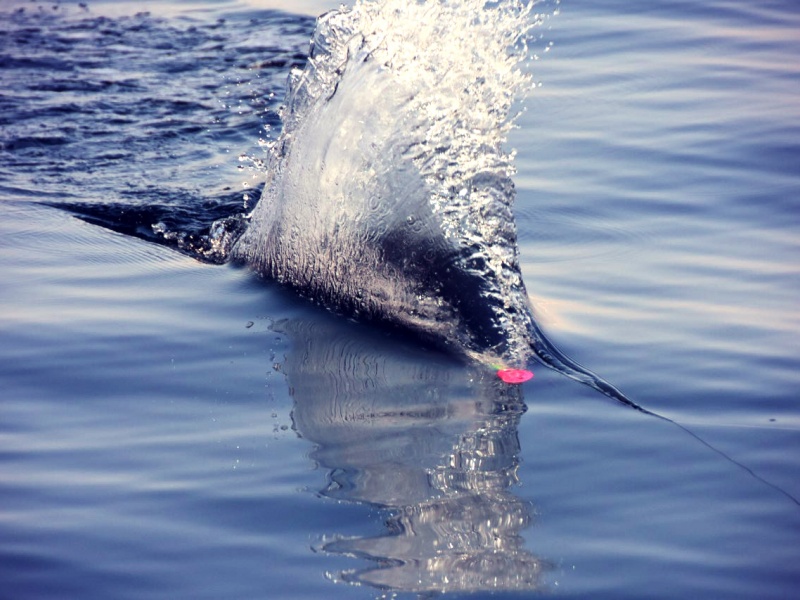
pixel 424 438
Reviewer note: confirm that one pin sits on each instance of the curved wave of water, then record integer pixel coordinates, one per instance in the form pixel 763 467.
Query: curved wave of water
pixel 389 191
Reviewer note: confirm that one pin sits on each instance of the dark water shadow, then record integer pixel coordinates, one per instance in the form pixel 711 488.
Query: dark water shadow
pixel 427 440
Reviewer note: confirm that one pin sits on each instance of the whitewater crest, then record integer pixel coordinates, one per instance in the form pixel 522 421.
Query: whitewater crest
pixel 389 191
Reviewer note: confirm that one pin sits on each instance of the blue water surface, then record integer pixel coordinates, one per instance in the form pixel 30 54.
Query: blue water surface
pixel 175 429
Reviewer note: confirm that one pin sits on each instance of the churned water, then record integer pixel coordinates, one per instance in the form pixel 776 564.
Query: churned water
pixel 389 190
pixel 177 428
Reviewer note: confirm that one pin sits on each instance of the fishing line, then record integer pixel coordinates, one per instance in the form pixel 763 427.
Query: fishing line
pixel 552 357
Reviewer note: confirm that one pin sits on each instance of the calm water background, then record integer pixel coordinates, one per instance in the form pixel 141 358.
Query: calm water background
pixel 175 429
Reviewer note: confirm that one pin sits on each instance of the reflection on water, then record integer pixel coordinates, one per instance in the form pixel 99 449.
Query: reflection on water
pixel 428 440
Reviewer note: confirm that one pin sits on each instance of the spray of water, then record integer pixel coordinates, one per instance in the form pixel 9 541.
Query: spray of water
pixel 389 190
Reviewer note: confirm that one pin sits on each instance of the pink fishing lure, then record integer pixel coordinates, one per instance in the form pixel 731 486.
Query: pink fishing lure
pixel 514 375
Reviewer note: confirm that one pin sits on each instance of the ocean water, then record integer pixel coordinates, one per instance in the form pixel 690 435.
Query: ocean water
pixel 176 428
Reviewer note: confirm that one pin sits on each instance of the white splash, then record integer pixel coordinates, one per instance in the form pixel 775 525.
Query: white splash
pixel 389 190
